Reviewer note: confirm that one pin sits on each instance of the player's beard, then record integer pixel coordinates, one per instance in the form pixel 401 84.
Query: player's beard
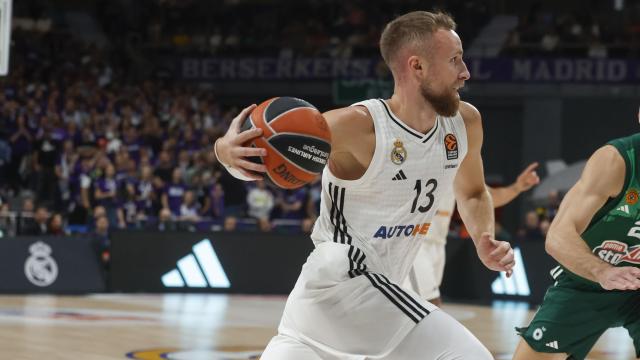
pixel 445 103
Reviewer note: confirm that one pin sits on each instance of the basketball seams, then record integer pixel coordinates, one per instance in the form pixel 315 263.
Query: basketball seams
pixel 301 135
pixel 284 113
pixel 264 113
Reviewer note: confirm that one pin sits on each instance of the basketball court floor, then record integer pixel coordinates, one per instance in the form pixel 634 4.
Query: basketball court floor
pixel 198 327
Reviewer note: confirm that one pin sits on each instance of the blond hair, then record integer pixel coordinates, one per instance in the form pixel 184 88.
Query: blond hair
pixel 410 28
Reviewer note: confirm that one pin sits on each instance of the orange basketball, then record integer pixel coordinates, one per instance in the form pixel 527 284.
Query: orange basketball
pixel 296 137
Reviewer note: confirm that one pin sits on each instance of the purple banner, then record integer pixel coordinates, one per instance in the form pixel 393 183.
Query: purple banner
pixel 495 70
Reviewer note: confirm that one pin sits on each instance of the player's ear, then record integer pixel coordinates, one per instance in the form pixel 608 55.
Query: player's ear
pixel 417 66
pixel 414 63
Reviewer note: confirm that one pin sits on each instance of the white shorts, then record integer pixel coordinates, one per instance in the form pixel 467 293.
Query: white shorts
pixel 425 276
pixel 340 310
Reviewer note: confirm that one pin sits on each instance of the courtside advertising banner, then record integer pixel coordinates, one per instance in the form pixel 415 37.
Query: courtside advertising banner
pixel 248 263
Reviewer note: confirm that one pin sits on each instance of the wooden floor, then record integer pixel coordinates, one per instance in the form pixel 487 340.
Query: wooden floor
pixel 198 327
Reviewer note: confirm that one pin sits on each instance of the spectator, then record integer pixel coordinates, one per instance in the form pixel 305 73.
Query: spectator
pixel 531 229
pixel 235 200
pixel 25 216
pixel 164 167
pixel 260 203
pixel 550 209
pixel 44 164
pixel 215 201
pixel 291 203
pixel 312 205
pixel 56 225
pixel 106 195
pixel 7 221
pixel 38 225
pixel 144 189
pixel 166 220
pixel 64 167
pixel 189 208
pixel 21 142
pixel 129 206
pixel 174 193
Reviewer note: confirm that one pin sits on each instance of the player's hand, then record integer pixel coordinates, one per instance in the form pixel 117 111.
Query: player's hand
pixel 231 151
pixel 528 178
pixel 495 255
pixel 619 278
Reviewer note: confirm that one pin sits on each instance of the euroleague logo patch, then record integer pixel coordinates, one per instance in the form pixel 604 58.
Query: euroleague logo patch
pixel 451 146
pixel 631 197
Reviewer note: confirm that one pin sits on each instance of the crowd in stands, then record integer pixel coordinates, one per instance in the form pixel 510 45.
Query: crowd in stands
pixel 587 31
pixel 328 28
pixel 82 151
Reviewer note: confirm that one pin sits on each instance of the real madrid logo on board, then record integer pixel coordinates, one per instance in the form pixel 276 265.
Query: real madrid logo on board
pixel 40 268
pixel 399 153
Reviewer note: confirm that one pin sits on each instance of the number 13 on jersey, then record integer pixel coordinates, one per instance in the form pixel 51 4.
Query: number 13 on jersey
pixel 429 187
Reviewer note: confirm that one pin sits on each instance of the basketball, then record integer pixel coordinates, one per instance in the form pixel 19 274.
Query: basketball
pixel 296 137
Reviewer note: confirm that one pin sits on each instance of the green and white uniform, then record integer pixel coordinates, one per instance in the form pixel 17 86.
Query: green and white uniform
pixel 575 311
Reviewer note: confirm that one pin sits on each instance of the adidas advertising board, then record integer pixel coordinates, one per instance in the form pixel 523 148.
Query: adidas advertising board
pixel 218 262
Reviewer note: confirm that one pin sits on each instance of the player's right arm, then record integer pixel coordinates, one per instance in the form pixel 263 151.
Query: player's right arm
pixel 602 178
pixel 353 141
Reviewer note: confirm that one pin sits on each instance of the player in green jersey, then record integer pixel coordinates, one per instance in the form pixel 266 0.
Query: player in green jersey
pixel 596 239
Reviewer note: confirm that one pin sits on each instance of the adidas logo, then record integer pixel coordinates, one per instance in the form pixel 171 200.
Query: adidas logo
pixel 553 345
pixel 198 270
pixel 399 176
pixel 517 284
pixel 624 209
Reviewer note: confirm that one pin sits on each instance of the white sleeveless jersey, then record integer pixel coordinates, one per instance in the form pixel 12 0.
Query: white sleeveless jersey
pixel 386 213
pixel 439 228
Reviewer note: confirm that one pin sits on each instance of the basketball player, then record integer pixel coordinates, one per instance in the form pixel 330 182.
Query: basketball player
pixel 425 276
pixel 346 303
pixel 595 238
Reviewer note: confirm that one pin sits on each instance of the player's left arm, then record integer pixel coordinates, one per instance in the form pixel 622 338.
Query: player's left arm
pixel 474 201
pixel 525 181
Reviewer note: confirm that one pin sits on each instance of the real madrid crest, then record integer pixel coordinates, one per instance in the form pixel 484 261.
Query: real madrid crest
pixel 399 153
pixel 40 268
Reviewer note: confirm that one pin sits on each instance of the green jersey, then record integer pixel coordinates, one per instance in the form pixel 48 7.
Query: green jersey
pixel 614 232
pixel 575 311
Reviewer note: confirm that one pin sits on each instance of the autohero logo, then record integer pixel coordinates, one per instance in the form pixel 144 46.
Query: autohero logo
pixel 387 232
pixel 615 252
pixel 40 268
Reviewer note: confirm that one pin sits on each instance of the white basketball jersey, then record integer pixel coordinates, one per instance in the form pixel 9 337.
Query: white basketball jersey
pixel 439 228
pixel 388 211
